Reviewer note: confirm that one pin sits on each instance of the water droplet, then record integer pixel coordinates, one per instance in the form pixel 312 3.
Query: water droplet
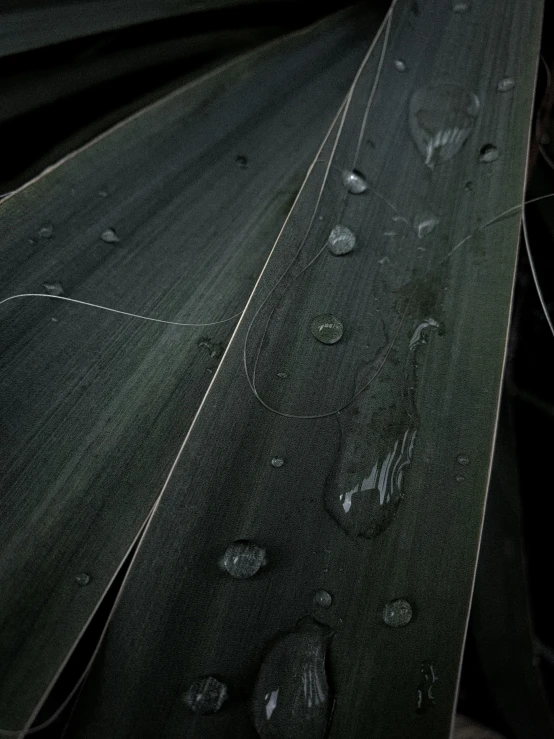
pixel 110 236
pixel 282 375
pixel 400 65
pixel 397 613
pixel 46 232
pixel 327 328
pixel 323 599
pixel 354 182
pixel 366 485
pixel 243 559
pixel 545 139
pixel 463 459
pixel 242 161
pixel 291 696
pixel 425 697
pixel 460 6
pixel 53 288
pixel 424 225
pixel 460 478
pixel 506 84
pixel 489 153
pixel 82 579
pixel 103 193
pixel 468 186
pixel 206 695
pixel 341 241
pixel 277 461
pixel 441 118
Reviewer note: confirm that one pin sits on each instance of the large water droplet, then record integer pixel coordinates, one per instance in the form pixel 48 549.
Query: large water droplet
pixel 463 459
pixel 53 288
pixel 291 697
pixel 425 697
pixel 441 118
pixel 489 153
pixel 341 241
pixel 323 599
pixel 418 336
pixel 83 578
pixel 400 65
pixel 397 613
pixel 110 236
pixel 206 695
pixel 354 182
pixel 367 508
pixel 461 6
pixel 46 232
pixel 243 559
pixel 327 328
pixel 460 478
pixel 277 462
pixel 506 84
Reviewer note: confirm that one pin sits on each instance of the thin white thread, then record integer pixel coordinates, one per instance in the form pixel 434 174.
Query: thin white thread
pixel 115 310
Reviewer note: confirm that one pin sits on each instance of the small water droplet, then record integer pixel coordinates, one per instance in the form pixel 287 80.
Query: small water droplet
pixel 354 182
pixel 82 579
pixel 463 459
pixel 327 328
pixel 103 193
pixel 243 559
pixel 400 65
pixel 46 232
pixel 384 260
pixel 489 153
pixel 206 695
pixel 428 678
pixel 341 241
pixel 282 375
pixel 110 236
pixel 441 118
pixel 397 613
pixel 424 225
pixel 460 478
pixel 506 84
pixel 53 288
pixel 277 461
pixel 460 6
pixel 291 697
pixel 242 161
pixel 215 348
pixel 323 599
pixel 468 186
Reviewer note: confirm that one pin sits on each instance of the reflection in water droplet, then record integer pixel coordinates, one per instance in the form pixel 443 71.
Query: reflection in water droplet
pixel 365 487
pixel 327 328
pixel 277 461
pixel 397 613
pixel 323 599
pixel 441 118
pixel 505 84
pixel 341 241
pixel 291 696
pixel 460 6
pixel 460 478
pixel 463 459
pixel 46 232
pixel 354 182
pixel 425 697
pixel 489 153
pixel 110 236
pixel 53 288
pixel 206 695
pixel 82 579
pixel 243 559
pixel 424 225
pixel 400 65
